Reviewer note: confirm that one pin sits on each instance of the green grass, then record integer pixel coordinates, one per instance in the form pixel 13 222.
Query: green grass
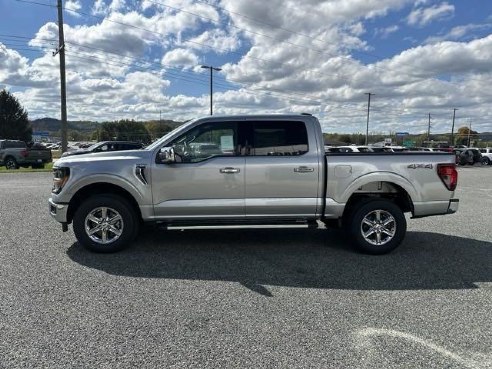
pixel 47 168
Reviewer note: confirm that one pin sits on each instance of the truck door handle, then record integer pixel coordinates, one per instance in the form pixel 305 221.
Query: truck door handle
pixel 229 170
pixel 303 169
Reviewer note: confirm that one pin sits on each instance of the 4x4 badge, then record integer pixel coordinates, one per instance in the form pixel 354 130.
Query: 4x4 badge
pixel 418 166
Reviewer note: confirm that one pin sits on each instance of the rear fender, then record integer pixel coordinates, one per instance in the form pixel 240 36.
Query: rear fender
pixel 378 179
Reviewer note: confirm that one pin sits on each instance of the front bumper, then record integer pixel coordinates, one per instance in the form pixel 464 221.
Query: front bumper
pixel 58 211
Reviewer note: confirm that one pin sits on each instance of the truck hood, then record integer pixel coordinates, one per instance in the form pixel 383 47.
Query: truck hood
pixel 129 156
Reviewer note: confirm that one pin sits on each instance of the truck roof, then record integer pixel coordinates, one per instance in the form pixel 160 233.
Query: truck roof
pixel 257 117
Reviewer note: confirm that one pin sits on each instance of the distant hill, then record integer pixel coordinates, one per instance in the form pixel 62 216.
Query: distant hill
pixel 485 136
pixel 54 125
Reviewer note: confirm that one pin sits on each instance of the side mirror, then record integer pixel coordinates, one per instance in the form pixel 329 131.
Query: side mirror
pixel 166 156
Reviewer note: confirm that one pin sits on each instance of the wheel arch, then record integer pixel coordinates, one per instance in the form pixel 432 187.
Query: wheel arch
pixel 379 190
pixel 99 189
pixel 10 156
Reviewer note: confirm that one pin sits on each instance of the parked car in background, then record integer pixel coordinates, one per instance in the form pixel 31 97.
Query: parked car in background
pixel 52 146
pixel 15 154
pixel 486 155
pixel 468 156
pixel 381 149
pixel 429 149
pixel 351 148
pixel 106 146
pixel 445 148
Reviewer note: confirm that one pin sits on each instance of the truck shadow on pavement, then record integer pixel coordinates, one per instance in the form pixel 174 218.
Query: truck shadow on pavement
pixel 297 258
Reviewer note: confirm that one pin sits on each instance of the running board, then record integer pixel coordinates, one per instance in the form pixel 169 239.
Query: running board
pixel 237 225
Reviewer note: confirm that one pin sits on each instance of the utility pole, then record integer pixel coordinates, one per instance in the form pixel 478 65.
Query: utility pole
pixel 368 108
pixel 469 132
pixel 452 127
pixel 211 83
pixel 63 83
pixel 429 130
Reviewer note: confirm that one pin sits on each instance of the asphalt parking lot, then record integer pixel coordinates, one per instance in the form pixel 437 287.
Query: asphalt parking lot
pixel 245 298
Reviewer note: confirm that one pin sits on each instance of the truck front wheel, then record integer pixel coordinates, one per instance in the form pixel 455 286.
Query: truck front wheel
pixel 377 226
pixel 105 223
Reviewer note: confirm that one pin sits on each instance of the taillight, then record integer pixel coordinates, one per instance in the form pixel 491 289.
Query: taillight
pixel 24 153
pixel 448 175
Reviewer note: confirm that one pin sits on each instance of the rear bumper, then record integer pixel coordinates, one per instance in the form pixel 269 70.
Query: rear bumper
pixel 429 208
pixel 453 206
pixel 58 211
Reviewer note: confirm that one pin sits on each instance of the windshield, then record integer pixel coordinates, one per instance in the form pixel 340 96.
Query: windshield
pixel 159 142
pixel 92 147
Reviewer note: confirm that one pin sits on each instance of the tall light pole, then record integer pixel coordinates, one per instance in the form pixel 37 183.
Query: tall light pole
pixel 368 107
pixel 429 130
pixel 452 127
pixel 61 52
pixel 211 83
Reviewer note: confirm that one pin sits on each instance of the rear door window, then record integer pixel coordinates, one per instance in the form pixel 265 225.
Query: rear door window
pixel 14 145
pixel 279 138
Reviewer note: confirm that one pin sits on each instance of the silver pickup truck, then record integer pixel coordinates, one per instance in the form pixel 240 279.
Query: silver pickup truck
pixel 253 170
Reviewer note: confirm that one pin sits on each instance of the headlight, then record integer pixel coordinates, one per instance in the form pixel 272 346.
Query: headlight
pixel 60 177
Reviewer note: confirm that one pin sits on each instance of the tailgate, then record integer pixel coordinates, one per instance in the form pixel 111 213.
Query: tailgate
pixel 39 155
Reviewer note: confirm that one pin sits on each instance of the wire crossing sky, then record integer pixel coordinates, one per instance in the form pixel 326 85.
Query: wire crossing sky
pixel 141 59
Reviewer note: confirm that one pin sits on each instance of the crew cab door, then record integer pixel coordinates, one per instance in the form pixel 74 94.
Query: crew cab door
pixel 207 179
pixel 282 170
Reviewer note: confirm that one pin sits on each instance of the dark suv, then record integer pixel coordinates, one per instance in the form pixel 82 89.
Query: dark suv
pixel 468 156
pixel 107 146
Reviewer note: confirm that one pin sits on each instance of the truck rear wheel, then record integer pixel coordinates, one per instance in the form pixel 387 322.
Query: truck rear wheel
pixel 377 226
pixel 105 223
pixel 11 163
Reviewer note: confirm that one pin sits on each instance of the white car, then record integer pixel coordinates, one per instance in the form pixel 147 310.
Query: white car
pixel 351 148
pixel 486 155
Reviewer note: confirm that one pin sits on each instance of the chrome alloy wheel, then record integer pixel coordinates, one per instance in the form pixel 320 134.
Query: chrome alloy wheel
pixel 104 225
pixel 10 163
pixel 378 227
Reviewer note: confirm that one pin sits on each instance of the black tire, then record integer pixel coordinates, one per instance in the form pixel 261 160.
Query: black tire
pixel 127 223
pixel 388 228
pixel 11 163
pixel 485 161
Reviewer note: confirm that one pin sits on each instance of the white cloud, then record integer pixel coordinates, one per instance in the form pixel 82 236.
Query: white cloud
pixel 423 16
pixel 74 6
pixel 118 5
pixel 180 57
pixel 385 32
pixel 218 40
pixel 99 7
pixel 459 33
pixel 14 66
pixel 444 57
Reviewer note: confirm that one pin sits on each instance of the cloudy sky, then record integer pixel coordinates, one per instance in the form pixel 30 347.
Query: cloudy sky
pixel 140 59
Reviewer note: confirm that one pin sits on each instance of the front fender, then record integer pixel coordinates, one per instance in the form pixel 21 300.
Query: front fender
pixel 138 194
